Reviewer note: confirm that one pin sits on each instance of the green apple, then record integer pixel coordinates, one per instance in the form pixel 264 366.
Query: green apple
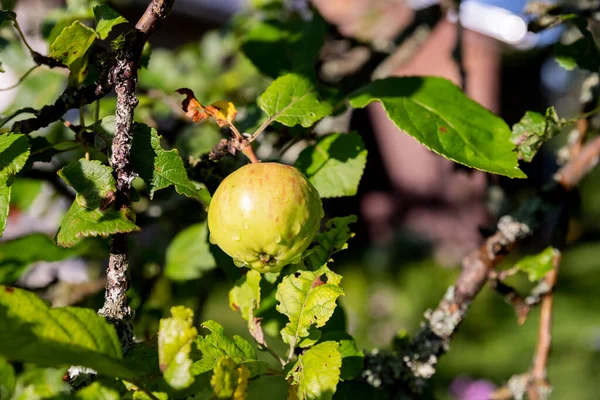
pixel 264 215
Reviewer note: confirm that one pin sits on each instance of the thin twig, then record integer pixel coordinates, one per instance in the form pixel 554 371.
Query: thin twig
pixel 261 128
pixel 22 35
pixel 124 75
pixel 539 387
pixel 512 297
pixel 71 98
pixel 572 173
pixel 21 79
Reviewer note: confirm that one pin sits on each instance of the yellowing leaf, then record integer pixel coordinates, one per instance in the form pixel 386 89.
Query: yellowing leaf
pixel 230 381
pixel 175 337
pixel 307 298
pixel 72 43
pixel 316 373
pixel 224 112
pixel 245 295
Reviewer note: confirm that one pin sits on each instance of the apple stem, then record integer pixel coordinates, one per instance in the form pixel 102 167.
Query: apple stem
pixel 249 152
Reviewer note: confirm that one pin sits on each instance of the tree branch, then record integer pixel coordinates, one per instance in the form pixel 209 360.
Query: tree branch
pixel 419 359
pixel 71 98
pixel 124 76
pixel 539 387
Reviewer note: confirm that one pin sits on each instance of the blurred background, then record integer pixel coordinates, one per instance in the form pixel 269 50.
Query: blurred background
pixel 419 214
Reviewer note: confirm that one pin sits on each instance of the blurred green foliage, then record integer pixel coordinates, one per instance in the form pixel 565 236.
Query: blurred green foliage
pixel 383 296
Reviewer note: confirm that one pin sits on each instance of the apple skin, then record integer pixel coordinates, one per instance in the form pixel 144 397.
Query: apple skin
pixel 264 215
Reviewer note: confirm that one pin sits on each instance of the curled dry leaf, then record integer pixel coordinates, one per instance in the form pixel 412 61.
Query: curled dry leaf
pixel 224 112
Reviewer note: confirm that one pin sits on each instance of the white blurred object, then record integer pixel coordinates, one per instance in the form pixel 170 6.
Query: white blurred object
pixel 492 21
pixel 7 79
pixel 42 273
pixel 44 215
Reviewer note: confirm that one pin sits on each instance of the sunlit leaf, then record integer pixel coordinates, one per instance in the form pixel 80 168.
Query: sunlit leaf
pixel 538 265
pixel 91 214
pixel 72 43
pixel 441 117
pixel 292 100
pixel 352 356
pixel 175 338
pixel 307 298
pixel 106 19
pixel 161 168
pixel 335 164
pixel 14 151
pixel 317 372
pixel 245 295
pixel 32 332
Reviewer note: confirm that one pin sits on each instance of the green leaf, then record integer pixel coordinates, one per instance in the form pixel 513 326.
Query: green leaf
pixel 333 239
pixel 245 295
pixel 96 391
pixel 533 130
pixel 14 152
pixel 317 372
pixel 32 332
pixel 175 338
pixel 188 255
pixel 307 298
pixel 230 381
pixel 352 356
pixel 582 53
pixel 7 380
pixel 216 345
pixel 538 265
pixel 106 19
pixel 292 100
pixel 89 214
pixel 335 164
pixel 441 117
pixel 277 47
pixel 4 205
pixel 72 43
pixel 17 254
pixel 160 168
